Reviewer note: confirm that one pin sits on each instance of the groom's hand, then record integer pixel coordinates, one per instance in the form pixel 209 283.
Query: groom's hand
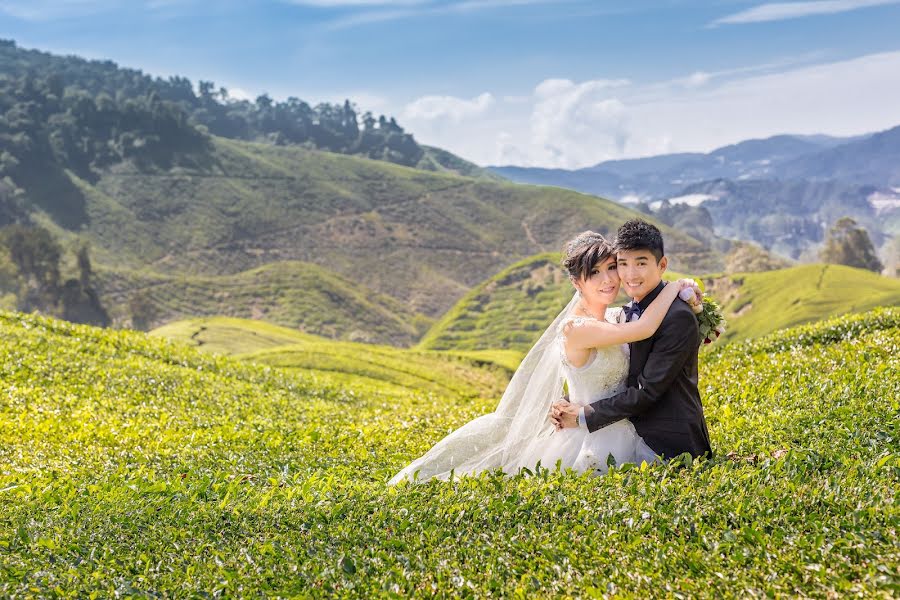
pixel 564 414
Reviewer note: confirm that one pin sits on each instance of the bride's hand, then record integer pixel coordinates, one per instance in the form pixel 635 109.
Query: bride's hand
pixel 564 414
pixel 689 284
pixel 555 410
pixel 689 291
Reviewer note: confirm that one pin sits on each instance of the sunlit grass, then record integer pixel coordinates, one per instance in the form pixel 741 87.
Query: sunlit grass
pixel 130 466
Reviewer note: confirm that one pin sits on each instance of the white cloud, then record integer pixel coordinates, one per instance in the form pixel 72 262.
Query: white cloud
pixel 516 99
pixel 697 79
pixel 571 119
pixel 447 107
pixel 236 93
pixel 576 124
pixel 779 11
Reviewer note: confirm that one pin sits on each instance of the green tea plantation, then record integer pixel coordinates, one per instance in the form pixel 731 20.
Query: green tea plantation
pixel 134 467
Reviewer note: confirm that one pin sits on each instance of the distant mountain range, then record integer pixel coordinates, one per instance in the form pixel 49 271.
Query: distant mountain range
pixel 782 192
pixel 871 159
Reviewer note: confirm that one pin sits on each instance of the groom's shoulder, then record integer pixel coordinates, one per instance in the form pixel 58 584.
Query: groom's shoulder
pixel 680 315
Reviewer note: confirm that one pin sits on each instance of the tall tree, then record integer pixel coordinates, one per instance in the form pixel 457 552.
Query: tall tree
pixel 849 244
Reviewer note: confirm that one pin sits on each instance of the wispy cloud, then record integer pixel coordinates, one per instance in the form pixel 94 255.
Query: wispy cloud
pixel 379 11
pixel 702 78
pixel 472 5
pixel 448 107
pixel 779 11
pixel 369 17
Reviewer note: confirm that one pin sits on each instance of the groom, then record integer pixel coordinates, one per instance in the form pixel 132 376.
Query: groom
pixel 661 400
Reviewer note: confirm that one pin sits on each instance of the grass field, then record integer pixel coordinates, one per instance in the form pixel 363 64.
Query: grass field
pixel 135 467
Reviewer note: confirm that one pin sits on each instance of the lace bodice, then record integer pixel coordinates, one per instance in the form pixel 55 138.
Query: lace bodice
pixel 605 372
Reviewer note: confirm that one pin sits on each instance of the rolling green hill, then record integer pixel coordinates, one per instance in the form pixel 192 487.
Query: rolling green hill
pixel 512 309
pixel 298 295
pixel 758 303
pixel 383 368
pixel 135 467
pixel 423 238
pixel 438 159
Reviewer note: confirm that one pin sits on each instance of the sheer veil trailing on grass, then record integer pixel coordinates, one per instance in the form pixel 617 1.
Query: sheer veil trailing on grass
pixel 499 439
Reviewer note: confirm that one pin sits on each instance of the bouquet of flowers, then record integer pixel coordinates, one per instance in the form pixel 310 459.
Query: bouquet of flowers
pixel 708 311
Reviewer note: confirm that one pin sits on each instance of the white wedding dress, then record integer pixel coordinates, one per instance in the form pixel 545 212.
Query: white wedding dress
pixel 520 434
pixel 602 376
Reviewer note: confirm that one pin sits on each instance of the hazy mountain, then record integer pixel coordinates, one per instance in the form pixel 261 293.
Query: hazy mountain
pixel 873 159
pixel 783 192
pixel 656 177
pixel 789 217
pixel 596 182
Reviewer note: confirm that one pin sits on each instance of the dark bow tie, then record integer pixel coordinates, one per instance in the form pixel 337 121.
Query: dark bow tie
pixel 632 308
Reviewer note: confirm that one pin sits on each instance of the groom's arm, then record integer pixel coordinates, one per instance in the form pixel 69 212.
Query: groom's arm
pixel 676 340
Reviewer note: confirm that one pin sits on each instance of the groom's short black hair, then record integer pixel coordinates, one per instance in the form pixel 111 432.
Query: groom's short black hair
pixel 637 234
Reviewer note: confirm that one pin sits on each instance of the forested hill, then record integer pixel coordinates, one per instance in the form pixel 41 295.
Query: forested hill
pixel 83 115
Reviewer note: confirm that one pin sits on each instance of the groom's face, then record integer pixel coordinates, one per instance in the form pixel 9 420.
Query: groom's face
pixel 639 271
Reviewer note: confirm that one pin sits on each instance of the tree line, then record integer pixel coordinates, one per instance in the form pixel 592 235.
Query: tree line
pixel 88 114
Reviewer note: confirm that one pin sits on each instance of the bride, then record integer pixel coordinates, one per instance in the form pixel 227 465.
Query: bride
pixel 585 348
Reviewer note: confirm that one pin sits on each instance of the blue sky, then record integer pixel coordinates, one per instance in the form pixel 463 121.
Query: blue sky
pixel 562 83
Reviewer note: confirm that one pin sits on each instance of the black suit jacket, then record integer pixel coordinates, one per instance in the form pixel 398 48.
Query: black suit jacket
pixel 662 399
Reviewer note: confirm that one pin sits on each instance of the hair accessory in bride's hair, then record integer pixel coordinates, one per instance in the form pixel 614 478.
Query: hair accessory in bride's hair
pixel 583 239
pixel 583 252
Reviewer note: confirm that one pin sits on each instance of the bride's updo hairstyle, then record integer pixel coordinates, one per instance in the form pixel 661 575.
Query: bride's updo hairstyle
pixel 582 254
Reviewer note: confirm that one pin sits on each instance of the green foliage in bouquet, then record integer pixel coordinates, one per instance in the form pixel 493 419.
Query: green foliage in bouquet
pixel 712 322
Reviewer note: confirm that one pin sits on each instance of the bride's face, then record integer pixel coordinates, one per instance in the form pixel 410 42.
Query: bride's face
pixel 602 285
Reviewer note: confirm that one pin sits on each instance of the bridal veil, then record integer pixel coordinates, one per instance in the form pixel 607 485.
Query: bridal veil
pixel 498 439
